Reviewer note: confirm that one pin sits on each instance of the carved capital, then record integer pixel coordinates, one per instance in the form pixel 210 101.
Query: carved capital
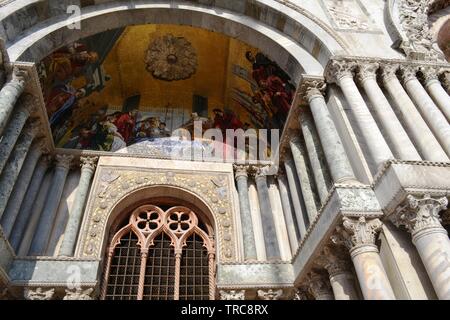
pixel 420 214
pixel 338 69
pixel 319 284
pixel 38 294
pixel 356 232
pixel 408 73
pixel 232 294
pixel 240 171
pixel 18 77
pixel 301 294
pixel 311 88
pixel 429 74
pixel 88 163
pixel 389 71
pixel 367 71
pixel 270 294
pixel 79 294
pixel 334 260
pixel 63 160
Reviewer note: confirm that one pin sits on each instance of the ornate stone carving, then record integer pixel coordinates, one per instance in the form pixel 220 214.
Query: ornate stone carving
pixel 319 284
pixel 63 160
pixel 367 71
pixel 171 58
pixel 347 15
pixel 389 71
pixel 18 76
pixel 429 73
pixel 115 184
pixel 240 170
pixel 232 294
pixel 300 294
pixel 88 163
pixel 419 214
pixel 38 294
pixel 311 87
pixel 357 232
pixel 333 259
pixel 408 73
pixel 78 294
pixel 413 16
pixel 270 294
pixel 338 69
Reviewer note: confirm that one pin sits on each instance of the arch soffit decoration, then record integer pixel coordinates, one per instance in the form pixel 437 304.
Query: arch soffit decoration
pixel 109 200
pixel 40 40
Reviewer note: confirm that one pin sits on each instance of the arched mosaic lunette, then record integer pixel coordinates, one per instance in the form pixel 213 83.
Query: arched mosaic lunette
pixel 115 185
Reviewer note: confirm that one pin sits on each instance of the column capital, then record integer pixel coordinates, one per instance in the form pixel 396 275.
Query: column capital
pixel 88 163
pixel 312 87
pixel 232 294
pixel 38 294
pixel 357 232
pixel 408 72
pixel 429 74
pixel 240 170
pixel 79 294
pixel 270 294
pixel 338 69
pixel 301 294
pixel 261 171
pixel 333 259
pixel 367 70
pixel 419 214
pixel 63 160
pixel 18 76
pixel 389 71
pixel 319 284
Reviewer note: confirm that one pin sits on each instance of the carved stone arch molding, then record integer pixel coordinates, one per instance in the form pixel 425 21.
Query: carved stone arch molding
pixel 118 189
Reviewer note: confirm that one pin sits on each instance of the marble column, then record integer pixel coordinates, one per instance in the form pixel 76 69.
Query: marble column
pixel 241 176
pixel 303 173
pixel 341 72
pixel 421 218
pixel 338 163
pixel 20 187
pixel 387 117
pixel 436 91
pixel 76 215
pixel 339 271
pixel 9 95
pixel 288 211
pixel 359 235
pixel 268 222
pixel 44 227
pixel 428 146
pixel 14 128
pixel 430 112
pixel 12 169
pixel 319 286
pixel 315 155
pixel 296 196
pixel 24 217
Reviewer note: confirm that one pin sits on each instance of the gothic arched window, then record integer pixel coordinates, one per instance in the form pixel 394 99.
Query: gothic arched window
pixel 160 255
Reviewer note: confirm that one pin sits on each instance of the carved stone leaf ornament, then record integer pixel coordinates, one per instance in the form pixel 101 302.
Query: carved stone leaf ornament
pixel 171 58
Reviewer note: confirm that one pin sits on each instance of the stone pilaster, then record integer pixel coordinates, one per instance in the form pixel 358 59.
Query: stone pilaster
pixel 241 176
pixel 88 165
pixel 14 128
pixel 338 163
pixel 25 220
pixel 20 187
pixel 358 235
pixel 417 128
pixel 45 225
pixel 388 119
pixel 435 89
pixel 429 111
pixel 421 218
pixel 303 173
pixel 15 162
pixel 319 286
pixel 341 72
pixel 342 281
pixel 268 222
pixel 9 95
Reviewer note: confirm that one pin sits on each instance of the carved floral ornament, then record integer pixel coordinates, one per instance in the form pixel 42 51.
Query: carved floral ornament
pixel 113 185
pixel 171 58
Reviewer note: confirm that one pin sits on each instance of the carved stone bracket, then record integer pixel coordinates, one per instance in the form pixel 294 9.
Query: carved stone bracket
pixel 420 214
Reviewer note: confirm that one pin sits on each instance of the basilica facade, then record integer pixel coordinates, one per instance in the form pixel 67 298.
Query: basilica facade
pixel 110 183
